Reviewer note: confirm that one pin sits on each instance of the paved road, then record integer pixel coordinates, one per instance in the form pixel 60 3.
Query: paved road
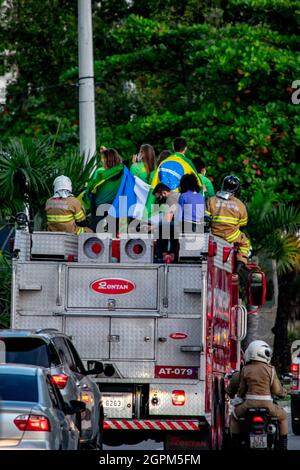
pixel 294 442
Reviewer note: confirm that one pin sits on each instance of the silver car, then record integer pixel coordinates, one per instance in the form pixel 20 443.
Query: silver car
pixel 33 414
pixel 55 351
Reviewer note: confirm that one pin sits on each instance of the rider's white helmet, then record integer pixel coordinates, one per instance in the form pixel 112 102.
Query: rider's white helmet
pixel 62 183
pixel 258 351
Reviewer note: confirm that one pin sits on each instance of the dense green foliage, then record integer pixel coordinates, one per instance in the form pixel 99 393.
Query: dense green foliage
pixel 217 72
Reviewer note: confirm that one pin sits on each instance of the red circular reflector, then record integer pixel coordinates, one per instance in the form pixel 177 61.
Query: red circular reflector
pixel 96 248
pixel 137 249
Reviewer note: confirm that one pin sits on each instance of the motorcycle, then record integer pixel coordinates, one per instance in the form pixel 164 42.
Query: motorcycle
pixel 259 430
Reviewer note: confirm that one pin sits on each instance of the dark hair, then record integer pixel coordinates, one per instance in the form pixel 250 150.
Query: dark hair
pixel 159 188
pixel 189 182
pixel 199 164
pixel 149 158
pixel 163 155
pixel 111 158
pixel 179 144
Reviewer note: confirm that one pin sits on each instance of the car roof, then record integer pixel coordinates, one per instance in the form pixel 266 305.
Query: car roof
pixel 20 369
pixel 46 333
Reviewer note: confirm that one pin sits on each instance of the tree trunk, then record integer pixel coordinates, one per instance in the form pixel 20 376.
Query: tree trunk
pixel 282 356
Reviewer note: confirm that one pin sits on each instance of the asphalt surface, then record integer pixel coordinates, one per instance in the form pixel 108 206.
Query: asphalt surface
pixel 293 441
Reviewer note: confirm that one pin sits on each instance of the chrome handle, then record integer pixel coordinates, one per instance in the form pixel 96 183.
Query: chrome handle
pixel 147 339
pixel 242 322
pixel 165 297
pixel 59 279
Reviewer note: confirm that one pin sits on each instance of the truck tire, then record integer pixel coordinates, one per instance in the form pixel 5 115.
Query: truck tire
pixel 295 412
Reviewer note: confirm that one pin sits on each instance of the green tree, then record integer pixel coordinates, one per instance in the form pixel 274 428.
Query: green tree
pixel 273 230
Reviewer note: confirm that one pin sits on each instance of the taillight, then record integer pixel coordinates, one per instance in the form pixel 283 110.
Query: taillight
pixel 257 419
pixel 60 380
pixel 32 423
pixel 178 397
pixel 294 369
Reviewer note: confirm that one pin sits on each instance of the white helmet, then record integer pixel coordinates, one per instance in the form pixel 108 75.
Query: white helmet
pixel 62 183
pixel 258 351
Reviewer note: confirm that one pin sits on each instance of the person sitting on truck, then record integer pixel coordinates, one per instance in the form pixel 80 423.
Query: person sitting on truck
pixel 228 214
pixel 168 201
pixel 258 382
pixel 208 187
pixel 191 203
pixel 64 212
pixel 144 164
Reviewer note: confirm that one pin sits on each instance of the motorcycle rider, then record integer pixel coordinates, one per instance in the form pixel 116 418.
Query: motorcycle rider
pixel 258 382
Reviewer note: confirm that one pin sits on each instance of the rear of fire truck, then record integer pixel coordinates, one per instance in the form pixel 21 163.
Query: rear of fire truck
pixel 167 334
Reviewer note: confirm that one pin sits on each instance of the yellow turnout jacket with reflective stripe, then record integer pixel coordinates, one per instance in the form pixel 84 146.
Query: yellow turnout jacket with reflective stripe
pixel 63 213
pixel 227 216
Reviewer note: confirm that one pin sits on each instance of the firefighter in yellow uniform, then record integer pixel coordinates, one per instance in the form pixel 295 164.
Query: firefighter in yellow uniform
pixel 228 214
pixel 64 212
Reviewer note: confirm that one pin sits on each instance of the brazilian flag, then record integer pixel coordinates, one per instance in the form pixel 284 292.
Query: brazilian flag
pixel 170 172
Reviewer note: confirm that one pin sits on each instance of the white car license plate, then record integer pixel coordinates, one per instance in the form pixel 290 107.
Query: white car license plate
pixel 258 441
pixel 113 401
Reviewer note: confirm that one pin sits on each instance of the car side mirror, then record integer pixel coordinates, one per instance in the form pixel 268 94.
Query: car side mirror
pixel 74 407
pixel 94 367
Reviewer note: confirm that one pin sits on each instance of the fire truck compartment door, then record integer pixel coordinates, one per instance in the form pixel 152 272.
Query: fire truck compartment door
pixel 40 288
pixel 113 288
pixel 90 336
pixel 132 338
pixel 179 342
pixel 181 293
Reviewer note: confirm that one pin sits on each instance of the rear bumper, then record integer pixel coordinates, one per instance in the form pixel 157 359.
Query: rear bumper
pixel 152 425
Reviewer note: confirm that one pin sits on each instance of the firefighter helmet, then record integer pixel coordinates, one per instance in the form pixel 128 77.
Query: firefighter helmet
pixel 231 184
pixel 258 351
pixel 62 183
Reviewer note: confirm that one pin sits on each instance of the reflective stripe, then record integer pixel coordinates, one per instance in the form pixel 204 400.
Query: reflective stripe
pixel 79 230
pixel 79 215
pixel 244 221
pixel 233 236
pixel 225 219
pixel 259 397
pixel 207 212
pixel 59 218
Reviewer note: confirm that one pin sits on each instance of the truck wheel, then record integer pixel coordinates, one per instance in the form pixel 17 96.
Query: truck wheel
pixel 295 412
pixel 214 437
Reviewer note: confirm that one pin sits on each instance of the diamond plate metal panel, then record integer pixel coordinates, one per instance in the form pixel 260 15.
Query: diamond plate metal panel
pixel 90 336
pixel 218 259
pixel 143 296
pixel 39 287
pixel 194 400
pixel 54 244
pixel 169 348
pixel 133 370
pixel 85 253
pixel 22 245
pixel 132 338
pixel 193 245
pixel 178 286
pixel 36 322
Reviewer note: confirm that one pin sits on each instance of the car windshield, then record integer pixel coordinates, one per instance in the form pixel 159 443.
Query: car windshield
pixel 15 387
pixel 32 351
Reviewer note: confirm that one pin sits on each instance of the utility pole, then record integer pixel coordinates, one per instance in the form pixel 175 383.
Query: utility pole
pixel 87 121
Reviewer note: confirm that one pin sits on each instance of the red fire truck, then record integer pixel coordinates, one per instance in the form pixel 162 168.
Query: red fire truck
pixel 167 334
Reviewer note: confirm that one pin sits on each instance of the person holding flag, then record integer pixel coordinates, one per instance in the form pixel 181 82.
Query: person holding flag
pixel 170 172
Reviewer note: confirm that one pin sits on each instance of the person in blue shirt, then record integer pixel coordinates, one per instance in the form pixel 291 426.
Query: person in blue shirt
pixel 191 203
